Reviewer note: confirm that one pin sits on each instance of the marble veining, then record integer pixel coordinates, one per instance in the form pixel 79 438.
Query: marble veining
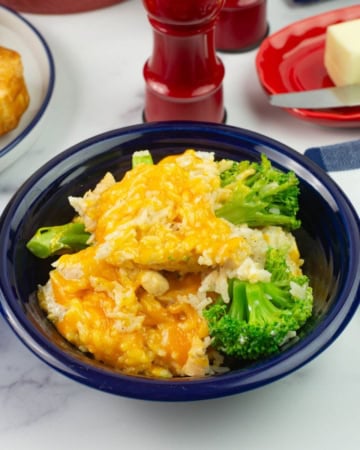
pixel 29 390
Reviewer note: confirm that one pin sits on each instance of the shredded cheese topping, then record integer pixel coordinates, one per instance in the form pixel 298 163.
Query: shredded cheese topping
pixel 134 298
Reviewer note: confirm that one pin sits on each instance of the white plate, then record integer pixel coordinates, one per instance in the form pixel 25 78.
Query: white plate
pixel 39 72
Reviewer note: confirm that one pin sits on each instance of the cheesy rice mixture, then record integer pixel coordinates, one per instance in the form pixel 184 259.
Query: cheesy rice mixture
pixel 158 257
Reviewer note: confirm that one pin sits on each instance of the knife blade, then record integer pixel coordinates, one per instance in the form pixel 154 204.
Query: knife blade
pixel 332 97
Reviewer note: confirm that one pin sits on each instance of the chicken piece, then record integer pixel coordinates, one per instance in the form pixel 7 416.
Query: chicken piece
pixel 14 96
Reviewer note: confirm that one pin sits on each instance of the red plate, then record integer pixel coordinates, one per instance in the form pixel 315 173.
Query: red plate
pixel 292 60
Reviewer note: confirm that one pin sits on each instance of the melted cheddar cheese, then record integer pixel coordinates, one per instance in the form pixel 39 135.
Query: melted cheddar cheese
pixel 159 254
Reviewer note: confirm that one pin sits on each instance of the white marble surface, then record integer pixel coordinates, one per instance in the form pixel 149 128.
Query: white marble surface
pixel 99 86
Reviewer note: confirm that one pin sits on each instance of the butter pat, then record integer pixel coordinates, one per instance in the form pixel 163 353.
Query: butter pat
pixel 342 52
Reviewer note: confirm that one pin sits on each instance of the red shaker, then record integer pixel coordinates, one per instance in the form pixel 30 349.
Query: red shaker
pixel 242 25
pixel 183 75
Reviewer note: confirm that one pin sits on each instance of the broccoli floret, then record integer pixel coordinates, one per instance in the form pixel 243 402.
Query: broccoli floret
pixel 58 239
pixel 261 195
pixel 231 174
pixel 261 316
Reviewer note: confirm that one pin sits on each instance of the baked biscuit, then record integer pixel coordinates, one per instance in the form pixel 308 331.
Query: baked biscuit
pixel 14 96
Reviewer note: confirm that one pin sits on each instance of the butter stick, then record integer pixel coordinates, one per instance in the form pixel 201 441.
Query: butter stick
pixel 342 52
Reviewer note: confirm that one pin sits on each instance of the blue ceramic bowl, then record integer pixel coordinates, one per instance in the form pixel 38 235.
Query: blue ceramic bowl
pixel 329 241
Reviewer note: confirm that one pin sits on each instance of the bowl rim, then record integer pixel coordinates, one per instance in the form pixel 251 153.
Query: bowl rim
pixel 237 381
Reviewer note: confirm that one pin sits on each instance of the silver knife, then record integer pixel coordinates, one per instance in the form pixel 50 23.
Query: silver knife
pixel 333 97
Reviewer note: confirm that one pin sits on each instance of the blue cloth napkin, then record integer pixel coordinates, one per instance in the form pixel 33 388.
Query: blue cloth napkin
pixel 333 158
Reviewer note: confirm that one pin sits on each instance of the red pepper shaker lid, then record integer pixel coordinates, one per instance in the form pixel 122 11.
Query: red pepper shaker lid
pixel 183 75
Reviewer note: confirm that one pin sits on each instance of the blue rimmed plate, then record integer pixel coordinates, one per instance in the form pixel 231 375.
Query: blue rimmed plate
pixel 19 34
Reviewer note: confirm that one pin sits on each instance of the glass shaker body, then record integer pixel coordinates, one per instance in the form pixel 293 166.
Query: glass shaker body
pixel 183 75
pixel 242 25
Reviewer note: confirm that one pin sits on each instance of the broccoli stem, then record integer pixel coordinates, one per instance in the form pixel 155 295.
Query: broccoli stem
pixel 261 310
pixel 236 213
pixel 141 157
pixel 238 306
pixel 50 241
pixel 281 298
